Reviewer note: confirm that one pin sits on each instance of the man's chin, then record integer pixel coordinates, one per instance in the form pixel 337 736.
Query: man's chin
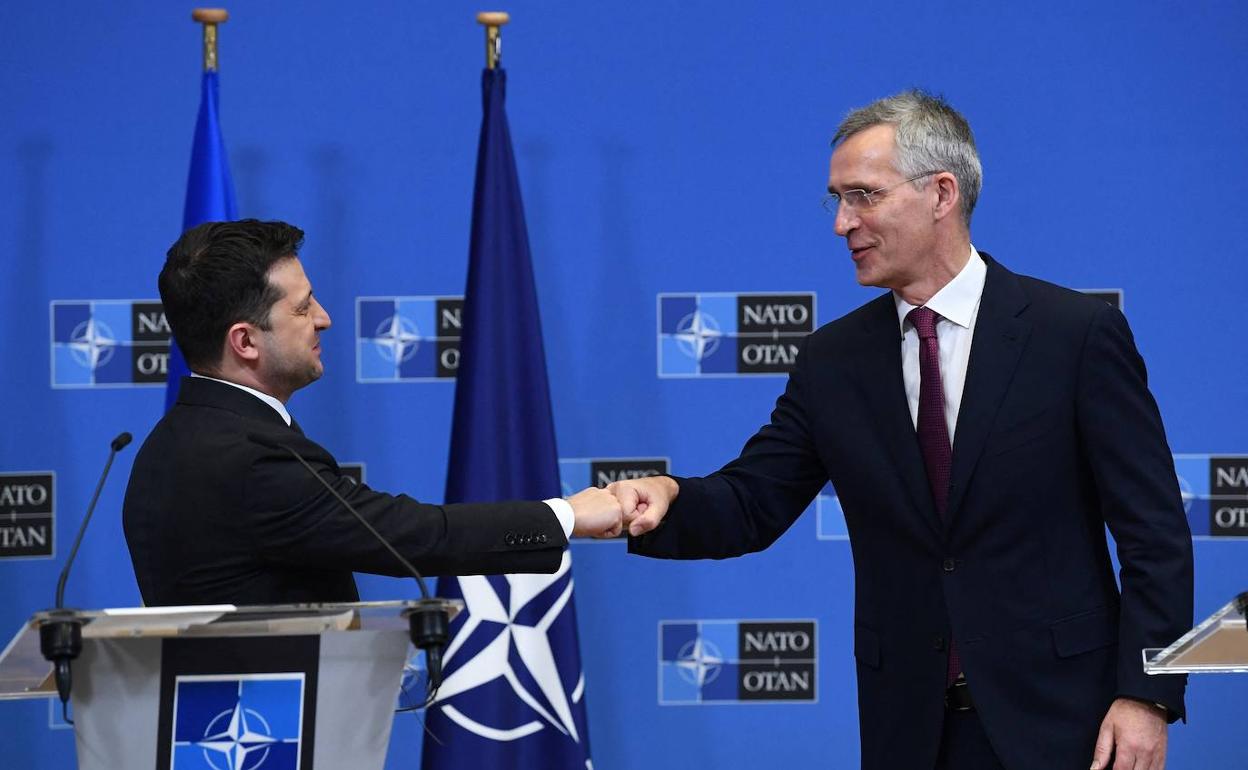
pixel 864 275
pixel 311 375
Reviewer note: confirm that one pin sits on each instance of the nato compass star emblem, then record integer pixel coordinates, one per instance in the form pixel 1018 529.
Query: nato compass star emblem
pixel 397 338
pixel 506 643
pixel 237 722
pixel 240 738
pixel 92 343
pixel 698 335
pixel 699 662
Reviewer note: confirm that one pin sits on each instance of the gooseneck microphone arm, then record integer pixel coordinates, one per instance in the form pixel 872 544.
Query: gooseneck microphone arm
pixel 420 581
pixel 60 637
pixel 116 446
pixel 429 622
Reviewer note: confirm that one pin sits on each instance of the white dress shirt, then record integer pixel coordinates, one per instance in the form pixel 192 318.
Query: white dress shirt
pixel 562 508
pixel 957 304
pixel 277 405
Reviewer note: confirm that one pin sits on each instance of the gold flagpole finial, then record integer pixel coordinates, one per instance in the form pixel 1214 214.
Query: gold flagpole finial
pixel 493 21
pixel 210 18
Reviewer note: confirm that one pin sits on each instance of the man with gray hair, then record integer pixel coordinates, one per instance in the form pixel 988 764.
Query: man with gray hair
pixel 981 429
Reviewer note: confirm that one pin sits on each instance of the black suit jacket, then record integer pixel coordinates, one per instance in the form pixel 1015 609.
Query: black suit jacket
pixel 1057 436
pixel 212 515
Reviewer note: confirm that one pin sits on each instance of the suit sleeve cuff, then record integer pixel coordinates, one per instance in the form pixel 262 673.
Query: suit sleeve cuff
pixel 1170 714
pixel 563 512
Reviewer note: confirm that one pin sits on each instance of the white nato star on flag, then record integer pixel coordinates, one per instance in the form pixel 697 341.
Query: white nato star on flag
pixel 493 661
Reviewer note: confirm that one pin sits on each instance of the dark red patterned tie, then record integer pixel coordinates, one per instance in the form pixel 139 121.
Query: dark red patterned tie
pixel 933 430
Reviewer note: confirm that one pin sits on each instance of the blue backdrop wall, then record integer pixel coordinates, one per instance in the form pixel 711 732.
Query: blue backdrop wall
pixel 663 148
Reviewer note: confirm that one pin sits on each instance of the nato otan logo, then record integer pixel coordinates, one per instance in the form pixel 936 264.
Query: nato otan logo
pixel 26 515
pixel 716 334
pixel 407 339
pixel 706 662
pixel 237 722
pixel 1215 494
pixel 109 343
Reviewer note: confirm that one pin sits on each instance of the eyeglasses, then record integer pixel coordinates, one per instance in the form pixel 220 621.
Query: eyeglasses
pixel 858 199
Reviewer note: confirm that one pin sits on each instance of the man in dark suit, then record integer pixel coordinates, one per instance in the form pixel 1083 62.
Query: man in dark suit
pixel 218 511
pixel 981 428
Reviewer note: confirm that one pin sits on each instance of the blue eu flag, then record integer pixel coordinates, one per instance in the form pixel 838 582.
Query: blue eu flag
pixel 514 692
pixel 209 198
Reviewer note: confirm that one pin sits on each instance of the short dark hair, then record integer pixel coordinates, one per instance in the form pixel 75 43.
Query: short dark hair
pixel 216 275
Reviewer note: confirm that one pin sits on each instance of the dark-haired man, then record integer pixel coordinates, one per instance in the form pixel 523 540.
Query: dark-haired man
pixel 218 512
pixel 981 429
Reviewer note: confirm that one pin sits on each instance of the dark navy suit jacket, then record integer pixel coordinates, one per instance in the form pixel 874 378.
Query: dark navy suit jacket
pixel 213 515
pixel 1057 437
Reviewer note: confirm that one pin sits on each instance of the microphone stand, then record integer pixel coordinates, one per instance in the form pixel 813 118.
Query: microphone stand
pixel 60 637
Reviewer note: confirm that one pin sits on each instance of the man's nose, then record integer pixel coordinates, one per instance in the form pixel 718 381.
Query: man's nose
pixel 846 219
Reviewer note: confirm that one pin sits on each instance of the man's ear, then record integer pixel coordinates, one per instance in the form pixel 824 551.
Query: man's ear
pixel 948 196
pixel 240 341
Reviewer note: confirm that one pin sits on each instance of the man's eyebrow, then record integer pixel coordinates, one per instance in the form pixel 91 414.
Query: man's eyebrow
pixel 852 186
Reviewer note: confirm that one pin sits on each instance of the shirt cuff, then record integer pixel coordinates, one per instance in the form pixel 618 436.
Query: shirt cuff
pixel 565 514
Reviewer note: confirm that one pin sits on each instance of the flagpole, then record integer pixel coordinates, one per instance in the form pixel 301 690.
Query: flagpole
pixel 493 21
pixel 210 18
pixel 209 188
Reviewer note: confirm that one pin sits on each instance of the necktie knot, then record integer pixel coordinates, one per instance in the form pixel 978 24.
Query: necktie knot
pixel 924 322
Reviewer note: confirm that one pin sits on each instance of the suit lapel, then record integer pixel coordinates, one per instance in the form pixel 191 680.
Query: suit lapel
pixel 1000 336
pixel 880 379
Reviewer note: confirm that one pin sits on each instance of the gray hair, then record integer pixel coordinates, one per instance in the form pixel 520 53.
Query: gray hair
pixel 931 136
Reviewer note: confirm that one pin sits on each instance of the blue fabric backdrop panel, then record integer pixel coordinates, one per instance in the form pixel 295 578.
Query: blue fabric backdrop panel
pixel 663 149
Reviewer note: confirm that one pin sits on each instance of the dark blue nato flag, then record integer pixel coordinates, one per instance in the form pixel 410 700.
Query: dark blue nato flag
pixel 209 198
pixel 514 692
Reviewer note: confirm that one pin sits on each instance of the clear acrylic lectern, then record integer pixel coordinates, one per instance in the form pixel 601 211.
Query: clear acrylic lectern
pixel 1217 644
pixel 292 686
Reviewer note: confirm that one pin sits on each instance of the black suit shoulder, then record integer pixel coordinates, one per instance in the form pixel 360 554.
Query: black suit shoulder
pixel 1051 297
pixel 843 337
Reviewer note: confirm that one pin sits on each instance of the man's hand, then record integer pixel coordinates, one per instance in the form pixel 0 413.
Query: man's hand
pixel 644 501
pixel 1135 734
pixel 597 513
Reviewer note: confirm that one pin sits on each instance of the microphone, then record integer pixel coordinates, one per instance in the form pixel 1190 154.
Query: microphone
pixel 429 622
pixel 60 637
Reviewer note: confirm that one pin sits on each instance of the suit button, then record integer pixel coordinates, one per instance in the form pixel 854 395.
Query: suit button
pixel 525 539
pixel 938 644
pixel 541 539
pixel 948 565
pixel 510 538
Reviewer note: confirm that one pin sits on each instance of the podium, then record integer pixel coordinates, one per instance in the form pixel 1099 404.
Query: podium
pixel 1217 644
pixel 289 687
